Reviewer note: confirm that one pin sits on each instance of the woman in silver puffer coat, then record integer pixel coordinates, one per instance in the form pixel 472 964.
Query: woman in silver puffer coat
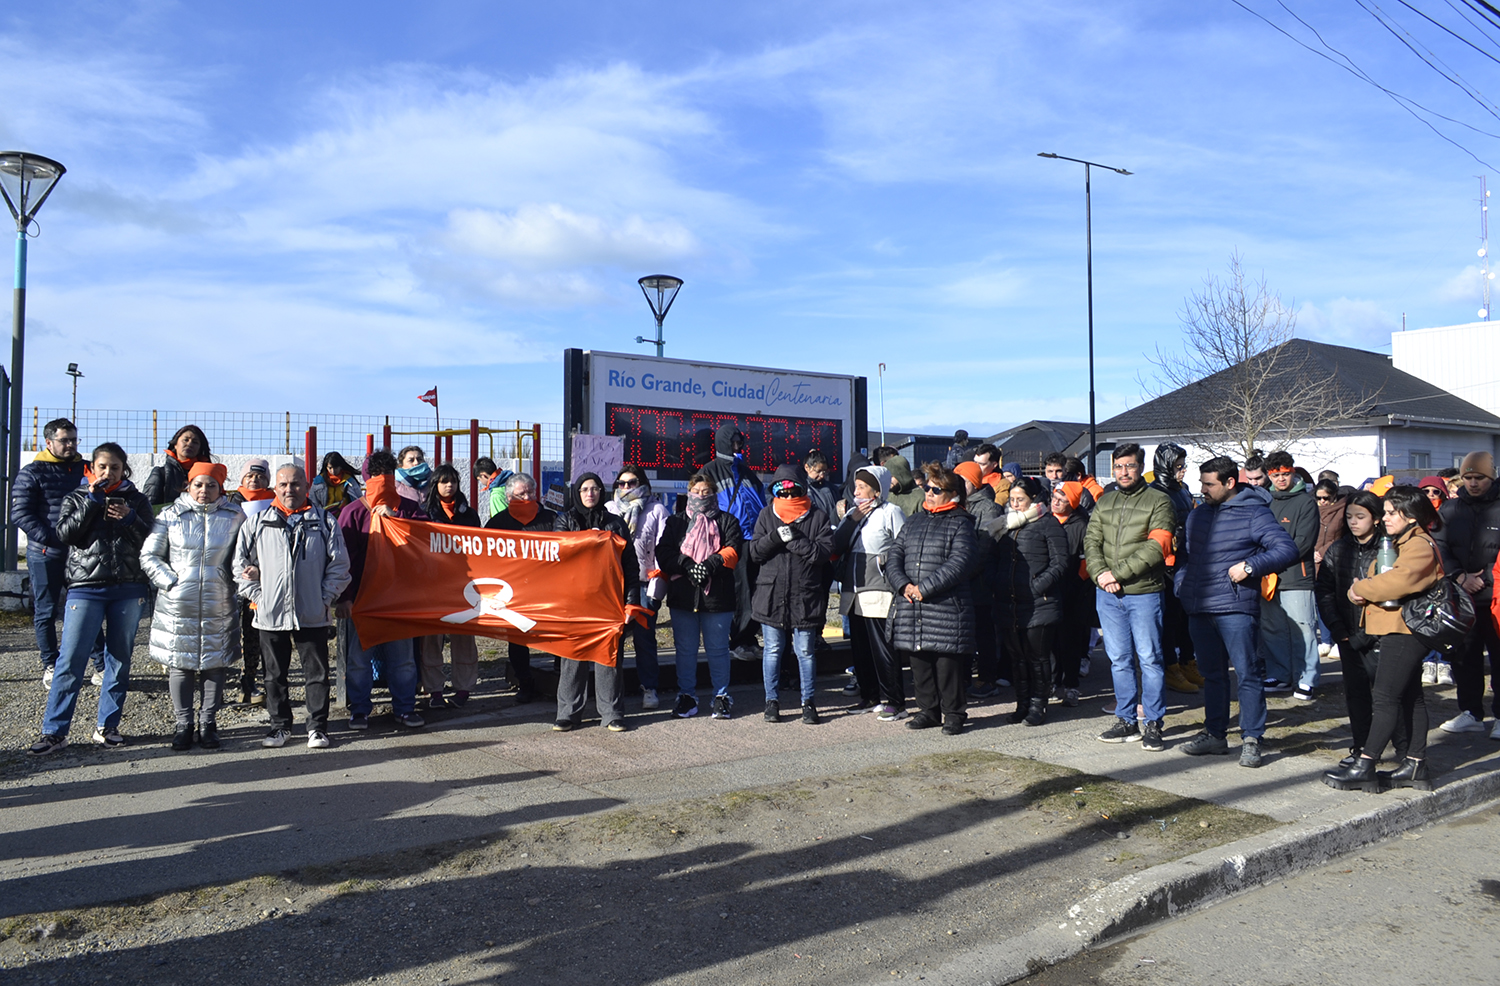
pixel 195 629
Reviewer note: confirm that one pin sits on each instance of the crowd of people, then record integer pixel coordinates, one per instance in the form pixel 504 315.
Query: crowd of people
pixel 971 574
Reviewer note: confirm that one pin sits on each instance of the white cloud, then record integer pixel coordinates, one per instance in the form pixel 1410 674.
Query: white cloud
pixel 547 236
pixel 1348 321
pixel 1465 287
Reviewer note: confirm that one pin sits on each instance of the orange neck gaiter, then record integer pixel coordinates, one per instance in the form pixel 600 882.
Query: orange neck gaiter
pixel 256 494
pixel 524 510
pixel 447 506
pixel 950 505
pixel 790 508
pixel 288 511
pixel 380 491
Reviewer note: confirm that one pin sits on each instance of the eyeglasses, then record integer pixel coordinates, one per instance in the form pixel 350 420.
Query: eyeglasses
pixel 590 489
pixel 935 490
pixel 625 484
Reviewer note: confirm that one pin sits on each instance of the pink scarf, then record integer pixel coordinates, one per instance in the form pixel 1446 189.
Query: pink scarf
pixel 703 537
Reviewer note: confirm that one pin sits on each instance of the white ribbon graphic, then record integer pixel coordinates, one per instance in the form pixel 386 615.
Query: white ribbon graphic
pixel 496 605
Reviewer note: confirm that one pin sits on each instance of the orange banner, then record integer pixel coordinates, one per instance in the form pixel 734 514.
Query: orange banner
pixel 561 593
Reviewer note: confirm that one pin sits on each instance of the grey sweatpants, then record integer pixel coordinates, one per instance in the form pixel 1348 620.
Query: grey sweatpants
pixel 572 691
pixel 206 686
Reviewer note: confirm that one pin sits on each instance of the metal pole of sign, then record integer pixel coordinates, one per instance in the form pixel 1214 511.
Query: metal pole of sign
pixel 666 287
pixel 882 403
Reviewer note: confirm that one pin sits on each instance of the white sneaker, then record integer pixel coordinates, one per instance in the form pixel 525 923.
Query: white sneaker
pixel 1324 650
pixel 1463 723
pixel 1495 733
pixel 649 699
pixel 1444 673
pixel 275 738
pixel 1333 652
pixel 317 740
pixel 98 679
pixel 1429 672
pixel 47 677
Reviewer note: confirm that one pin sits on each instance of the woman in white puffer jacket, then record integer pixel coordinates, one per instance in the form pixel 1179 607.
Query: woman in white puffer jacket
pixel 862 540
pixel 195 628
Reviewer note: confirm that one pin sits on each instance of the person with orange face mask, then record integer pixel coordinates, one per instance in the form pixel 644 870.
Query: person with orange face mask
pixel 523 512
pixel 397 658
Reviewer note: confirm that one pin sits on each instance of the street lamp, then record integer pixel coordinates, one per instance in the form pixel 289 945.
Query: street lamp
pixel 25 181
pixel 666 287
pixel 75 373
pixel 1088 225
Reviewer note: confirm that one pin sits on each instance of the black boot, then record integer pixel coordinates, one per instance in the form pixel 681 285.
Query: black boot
pixel 1411 773
pixel 1352 758
pixel 183 738
pixel 208 736
pixel 1036 712
pixel 1361 776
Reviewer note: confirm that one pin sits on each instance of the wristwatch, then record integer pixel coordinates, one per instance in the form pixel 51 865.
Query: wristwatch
pixel 1249 571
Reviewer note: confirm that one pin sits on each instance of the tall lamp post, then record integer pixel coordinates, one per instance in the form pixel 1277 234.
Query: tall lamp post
pixel 75 373
pixel 1088 239
pixel 666 287
pixel 25 181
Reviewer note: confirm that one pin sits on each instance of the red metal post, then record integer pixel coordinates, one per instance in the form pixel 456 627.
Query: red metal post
pixel 385 438
pixel 536 456
pixel 448 449
pixel 369 446
pixel 437 449
pixel 473 458
pixel 310 450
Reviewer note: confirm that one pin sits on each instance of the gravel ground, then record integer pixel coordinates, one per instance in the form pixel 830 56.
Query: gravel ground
pixel 889 872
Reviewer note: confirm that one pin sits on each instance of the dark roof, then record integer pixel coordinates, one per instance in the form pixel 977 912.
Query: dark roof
pixel 1042 437
pixel 1361 377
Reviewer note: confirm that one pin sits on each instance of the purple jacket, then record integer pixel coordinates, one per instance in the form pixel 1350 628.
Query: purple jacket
pixel 354 522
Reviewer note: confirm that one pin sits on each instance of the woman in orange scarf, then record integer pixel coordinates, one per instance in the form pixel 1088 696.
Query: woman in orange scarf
pixel 166 482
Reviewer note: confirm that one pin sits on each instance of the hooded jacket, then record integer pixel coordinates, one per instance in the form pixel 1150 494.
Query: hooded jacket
pixel 789 589
pixel 580 518
pixel 189 557
pixel 729 474
pixel 1297 512
pixel 861 545
pixel 1470 537
pixel 1119 538
pixel 1220 536
pixel 303 567
pixel 989 525
pixel 648 530
pixel 38 495
pixel 934 551
pixel 905 494
pixel 104 552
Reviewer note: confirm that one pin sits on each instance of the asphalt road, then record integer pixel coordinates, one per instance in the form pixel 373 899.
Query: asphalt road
pixel 1423 908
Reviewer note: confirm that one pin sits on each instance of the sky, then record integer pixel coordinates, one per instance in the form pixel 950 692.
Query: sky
pixel 332 207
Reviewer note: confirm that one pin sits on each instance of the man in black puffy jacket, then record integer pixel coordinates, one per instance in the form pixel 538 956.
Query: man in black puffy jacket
pixel 1469 541
pixel 36 498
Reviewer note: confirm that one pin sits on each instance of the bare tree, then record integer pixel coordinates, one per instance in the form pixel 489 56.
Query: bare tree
pixel 1248 383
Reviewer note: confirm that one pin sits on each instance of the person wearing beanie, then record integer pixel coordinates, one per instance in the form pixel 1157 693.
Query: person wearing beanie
pixel 792 544
pixel 291 563
pixel 195 630
pixel 986 581
pixel 396 659
pixel 861 544
pixel 1071 642
pixel 1469 541
pixel 904 491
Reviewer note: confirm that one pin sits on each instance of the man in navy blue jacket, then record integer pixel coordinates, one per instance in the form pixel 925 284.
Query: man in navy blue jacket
pixel 1230 542
pixel 40 487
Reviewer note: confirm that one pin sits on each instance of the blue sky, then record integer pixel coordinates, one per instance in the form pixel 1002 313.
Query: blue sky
pixel 331 207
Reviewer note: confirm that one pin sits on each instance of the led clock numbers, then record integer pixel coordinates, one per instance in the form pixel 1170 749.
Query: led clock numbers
pixel 676 442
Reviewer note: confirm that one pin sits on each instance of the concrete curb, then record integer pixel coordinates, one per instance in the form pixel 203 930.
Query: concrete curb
pixel 1137 901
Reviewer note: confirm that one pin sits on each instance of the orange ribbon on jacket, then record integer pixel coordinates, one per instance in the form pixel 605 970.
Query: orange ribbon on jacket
pixel 561 593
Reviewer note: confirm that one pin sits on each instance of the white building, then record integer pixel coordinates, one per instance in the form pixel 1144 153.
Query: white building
pixel 1462 359
pixel 1407 426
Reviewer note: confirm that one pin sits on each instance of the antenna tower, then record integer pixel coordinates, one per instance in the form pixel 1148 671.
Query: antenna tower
pixel 1484 246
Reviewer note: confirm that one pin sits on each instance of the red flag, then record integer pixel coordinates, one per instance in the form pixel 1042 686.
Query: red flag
pixel 430 397
pixel 561 593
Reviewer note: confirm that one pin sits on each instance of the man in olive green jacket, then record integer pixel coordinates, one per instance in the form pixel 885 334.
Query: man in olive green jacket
pixel 1129 536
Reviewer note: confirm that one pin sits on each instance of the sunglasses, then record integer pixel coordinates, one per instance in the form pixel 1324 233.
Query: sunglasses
pixel 935 490
pixel 626 484
pixel 1323 499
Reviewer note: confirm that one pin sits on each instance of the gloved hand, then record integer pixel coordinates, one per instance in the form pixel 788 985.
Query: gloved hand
pixel 698 573
pixel 785 530
pixel 713 562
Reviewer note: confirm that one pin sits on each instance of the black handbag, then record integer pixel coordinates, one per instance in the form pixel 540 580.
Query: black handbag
pixel 1441 615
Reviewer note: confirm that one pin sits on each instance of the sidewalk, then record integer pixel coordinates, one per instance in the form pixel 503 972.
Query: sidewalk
pixel 98 826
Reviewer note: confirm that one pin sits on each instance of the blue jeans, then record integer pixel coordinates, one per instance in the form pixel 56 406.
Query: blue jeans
pixel 1131 626
pixel 46 568
pixel 398 660
pixel 644 638
pixel 82 620
pixel 714 628
pixel 1221 640
pixel 1289 638
pixel 802 644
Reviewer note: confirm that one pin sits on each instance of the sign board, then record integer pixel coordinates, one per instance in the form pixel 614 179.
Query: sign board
pixel 667 411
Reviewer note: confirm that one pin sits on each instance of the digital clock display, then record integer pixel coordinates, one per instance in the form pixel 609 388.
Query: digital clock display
pixel 675 443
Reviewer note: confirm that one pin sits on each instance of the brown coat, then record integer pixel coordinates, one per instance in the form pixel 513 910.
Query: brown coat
pixel 1417 567
pixel 1331 525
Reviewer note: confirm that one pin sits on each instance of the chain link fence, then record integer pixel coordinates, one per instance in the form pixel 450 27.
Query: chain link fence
pixel 284 432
